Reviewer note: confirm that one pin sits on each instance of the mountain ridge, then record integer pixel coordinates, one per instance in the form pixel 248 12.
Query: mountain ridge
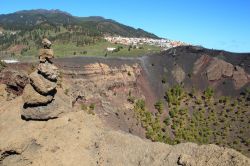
pixel 29 19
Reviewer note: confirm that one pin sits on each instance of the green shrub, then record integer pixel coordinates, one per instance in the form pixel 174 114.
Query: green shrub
pixel 131 99
pixel 209 93
pixel 174 95
pixel 84 107
pixel 159 106
pixel 66 92
pixel 167 121
pixel 92 106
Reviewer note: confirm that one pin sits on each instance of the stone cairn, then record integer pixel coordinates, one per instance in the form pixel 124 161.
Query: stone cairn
pixel 38 96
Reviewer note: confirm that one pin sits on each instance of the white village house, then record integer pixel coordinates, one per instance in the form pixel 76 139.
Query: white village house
pixel 110 49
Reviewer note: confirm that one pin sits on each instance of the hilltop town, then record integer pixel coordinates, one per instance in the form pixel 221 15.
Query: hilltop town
pixel 163 43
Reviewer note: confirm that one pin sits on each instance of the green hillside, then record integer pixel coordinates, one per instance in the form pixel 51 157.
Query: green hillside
pixel 24 30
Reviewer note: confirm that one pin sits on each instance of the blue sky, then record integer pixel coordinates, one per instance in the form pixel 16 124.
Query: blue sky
pixel 218 24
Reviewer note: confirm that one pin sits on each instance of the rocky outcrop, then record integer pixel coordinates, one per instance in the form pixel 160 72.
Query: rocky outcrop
pixel 201 63
pixel 15 81
pixel 178 74
pixel 100 78
pixel 38 96
pixel 218 69
pixel 119 149
pixel 240 77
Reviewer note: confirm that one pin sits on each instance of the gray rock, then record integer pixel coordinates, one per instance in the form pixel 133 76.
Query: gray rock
pixel 31 97
pixel 48 70
pixel 41 84
pixel 50 111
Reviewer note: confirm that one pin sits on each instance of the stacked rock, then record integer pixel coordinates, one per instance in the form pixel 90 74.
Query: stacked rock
pixel 38 96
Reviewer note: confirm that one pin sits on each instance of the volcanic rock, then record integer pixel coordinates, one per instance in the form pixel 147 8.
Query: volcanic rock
pixel 201 63
pixel 32 97
pixel 39 94
pixel 48 70
pixel 46 43
pixel 178 74
pixel 240 77
pixel 41 84
pixel 46 55
pixel 219 68
pixel 15 81
pixel 50 111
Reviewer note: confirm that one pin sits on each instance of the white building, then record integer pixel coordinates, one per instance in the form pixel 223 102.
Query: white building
pixel 110 49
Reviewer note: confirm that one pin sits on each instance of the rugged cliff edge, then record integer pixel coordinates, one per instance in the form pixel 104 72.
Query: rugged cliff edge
pixel 77 138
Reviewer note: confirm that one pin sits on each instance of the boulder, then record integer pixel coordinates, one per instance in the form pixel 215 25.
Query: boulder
pixel 46 55
pixel 41 84
pixel 50 111
pixel 46 43
pixel 31 97
pixel 240 77
pixel 48 70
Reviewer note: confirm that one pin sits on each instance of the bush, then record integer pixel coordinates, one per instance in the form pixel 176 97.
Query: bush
pixel 92 106
pixel 140 104
pixel 84 107
pixel 159 106
pixel 172 113
pixel 174 95
pixel 209 93
pixel 167 121
pixel 66 92
pixel 131 99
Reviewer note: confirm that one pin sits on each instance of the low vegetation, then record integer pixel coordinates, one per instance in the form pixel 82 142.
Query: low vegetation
pixel 199 118
pixel 159 106
pixel 89 109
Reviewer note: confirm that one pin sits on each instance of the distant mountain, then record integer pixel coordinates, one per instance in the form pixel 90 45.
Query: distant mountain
pixel 32 19
pixel 21 32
